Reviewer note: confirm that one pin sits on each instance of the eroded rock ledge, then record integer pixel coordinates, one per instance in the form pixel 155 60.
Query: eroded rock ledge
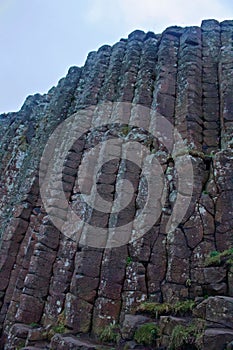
pixel 184 74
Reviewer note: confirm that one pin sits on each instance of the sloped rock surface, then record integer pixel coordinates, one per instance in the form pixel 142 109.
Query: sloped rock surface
pixel 184 74
pixel 217 338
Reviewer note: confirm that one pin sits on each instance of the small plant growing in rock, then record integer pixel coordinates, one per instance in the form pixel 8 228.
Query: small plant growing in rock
pixel 215 258
pixel 34 325
pixel 110 334
pixel 147 334
pixel 59 327
pixel 23 143
pixel 190 335
pixel 192 152
pixel 125 130
pixel 227 252
pixel 178 308
pixel 128 260
pixel 230 262
pixel 20 345
pixel 183 307
pixel 155 309
pixel 210 155
pixel 188 282
pixel 153 150
pixel 205 192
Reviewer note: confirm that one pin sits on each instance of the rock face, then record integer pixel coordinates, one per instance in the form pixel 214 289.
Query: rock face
pixel 185 75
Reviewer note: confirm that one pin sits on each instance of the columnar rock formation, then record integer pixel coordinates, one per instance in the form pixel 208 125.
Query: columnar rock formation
pixel 184 74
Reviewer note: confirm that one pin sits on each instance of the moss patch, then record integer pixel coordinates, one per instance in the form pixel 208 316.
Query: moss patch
pixel 129 260
pixel 178 308
pixel 110 334
pixel 147 334
pixel 183 307
pixel 216 258
pixel 59 327
pixel 190 335
pixel 125 130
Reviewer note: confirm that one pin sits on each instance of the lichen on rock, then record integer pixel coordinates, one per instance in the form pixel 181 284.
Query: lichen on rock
pixel 184 75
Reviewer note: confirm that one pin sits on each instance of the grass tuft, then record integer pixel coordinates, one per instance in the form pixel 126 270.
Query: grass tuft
pixel 147 334
pixel 190 335
pixel 110 334
pixel 215 258
pixel 157 309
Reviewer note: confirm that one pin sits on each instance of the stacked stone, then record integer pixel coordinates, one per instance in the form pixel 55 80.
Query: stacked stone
pixel 225 82
pixel 223 210
pixel 22 241
pixel 189 88
pixel 166 74
pixel 79 304
pixel 130 67
pixel 107 305
pixel 108 90
pixel 146 75
pixel 44 273
pixel 211 112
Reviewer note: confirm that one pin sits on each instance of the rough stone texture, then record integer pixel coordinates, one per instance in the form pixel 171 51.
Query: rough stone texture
pixel 131 322
pixel 217 338
pixel 70 343
pixel 217 310
pixel 186 74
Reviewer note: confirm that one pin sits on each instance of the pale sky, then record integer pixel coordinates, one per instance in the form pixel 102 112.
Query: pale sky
pixel 41 39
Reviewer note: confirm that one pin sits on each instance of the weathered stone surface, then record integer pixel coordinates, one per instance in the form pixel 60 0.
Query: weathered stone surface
pixel 216 310
pixel 60 342
pixel 78 314
pixel 217 338
pixel 167 324
pixel 131 322
pixel 46 275
pixel 17 336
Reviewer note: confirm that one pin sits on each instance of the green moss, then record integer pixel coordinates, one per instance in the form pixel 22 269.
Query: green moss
pixel 22 139
pixel 227 252
pixel 147 334
pixel 191 335
pixel 110 334
pixel 215 258
pixel 183 307
pixel 230 262
pixel 196 153
pixel 125 130
pixel 192 152
pixel 59 327
pixel 23 143
pixel 20 345
pixel 214 253
pixel 210 155
pixel 156 309
pixel 188 282
pixel 34 325
pixel 126 347
pixel 128 260
pixel 205 192
pixel 216 261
